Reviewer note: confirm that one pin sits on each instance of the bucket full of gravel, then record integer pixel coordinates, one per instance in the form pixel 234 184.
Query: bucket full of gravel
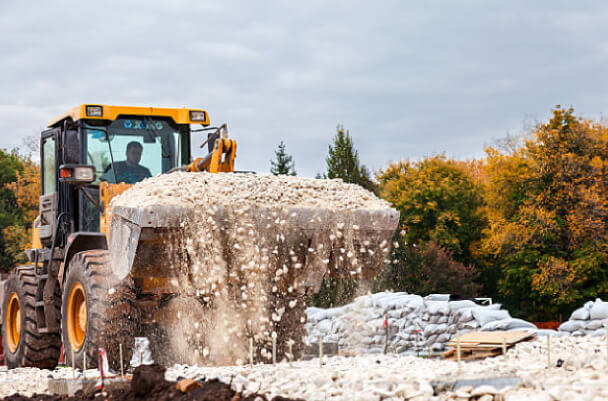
pixel 249 247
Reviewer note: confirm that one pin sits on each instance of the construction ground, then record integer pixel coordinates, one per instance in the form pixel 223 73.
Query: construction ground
pixel 575 369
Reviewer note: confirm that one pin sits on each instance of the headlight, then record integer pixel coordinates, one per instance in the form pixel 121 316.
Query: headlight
pixel 85 173
pixel 198 115
pixel 94 111
pixel 76 174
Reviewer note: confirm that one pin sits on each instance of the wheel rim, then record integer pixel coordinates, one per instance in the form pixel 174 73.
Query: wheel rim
pixel 77 316
pixel 13 322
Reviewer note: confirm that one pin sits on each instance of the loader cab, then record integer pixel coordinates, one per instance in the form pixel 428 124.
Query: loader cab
pixel 100 136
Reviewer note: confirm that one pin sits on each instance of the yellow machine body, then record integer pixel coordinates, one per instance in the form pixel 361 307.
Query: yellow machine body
pixel 220 159
pixel 180 116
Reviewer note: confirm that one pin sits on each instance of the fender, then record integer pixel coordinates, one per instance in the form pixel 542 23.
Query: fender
pixel 81 241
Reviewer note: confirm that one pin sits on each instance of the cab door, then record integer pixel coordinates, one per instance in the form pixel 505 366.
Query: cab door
pixel 48 197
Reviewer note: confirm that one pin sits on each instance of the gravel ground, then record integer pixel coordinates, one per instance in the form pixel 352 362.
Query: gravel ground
pixel 579 371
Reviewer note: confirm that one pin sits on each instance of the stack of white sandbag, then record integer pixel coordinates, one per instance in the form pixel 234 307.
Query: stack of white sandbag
pixel 414 323
pixel 359 326
pixel 487 318
pixel 444 319
pixel 591 320
pixel 462 318
pixel 435 318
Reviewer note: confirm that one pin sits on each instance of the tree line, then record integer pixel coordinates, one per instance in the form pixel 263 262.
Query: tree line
pixel 19 195
pixel 526 225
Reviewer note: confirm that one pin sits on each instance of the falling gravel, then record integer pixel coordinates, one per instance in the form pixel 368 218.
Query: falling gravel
pixel 250 249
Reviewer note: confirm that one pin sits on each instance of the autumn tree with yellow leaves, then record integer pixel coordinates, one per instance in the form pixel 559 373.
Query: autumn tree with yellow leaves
pixel 19 194
pixel 441 220
pixel 547 205
pixel 438 200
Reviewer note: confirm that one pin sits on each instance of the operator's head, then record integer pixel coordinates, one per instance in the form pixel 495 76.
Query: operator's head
pixel 134 150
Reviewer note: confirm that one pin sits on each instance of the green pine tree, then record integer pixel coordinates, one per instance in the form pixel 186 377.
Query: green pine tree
pixel 343 161
pixel 283 164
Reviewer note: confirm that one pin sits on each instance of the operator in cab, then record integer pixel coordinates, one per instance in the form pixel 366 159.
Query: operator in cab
pixel 128 171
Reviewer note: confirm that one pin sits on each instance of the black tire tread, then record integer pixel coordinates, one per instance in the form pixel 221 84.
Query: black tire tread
pixel 112 317
pixel 39 350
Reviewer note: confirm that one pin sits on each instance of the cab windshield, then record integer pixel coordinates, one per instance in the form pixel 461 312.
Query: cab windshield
pixel 131 149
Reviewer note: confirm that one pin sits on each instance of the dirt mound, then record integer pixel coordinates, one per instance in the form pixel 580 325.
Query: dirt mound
pixel 149 384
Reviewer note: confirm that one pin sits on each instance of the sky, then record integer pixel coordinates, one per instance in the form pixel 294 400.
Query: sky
pixel 407 79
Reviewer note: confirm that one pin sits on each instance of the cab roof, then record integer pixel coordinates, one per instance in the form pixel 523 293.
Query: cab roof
pixel 179 116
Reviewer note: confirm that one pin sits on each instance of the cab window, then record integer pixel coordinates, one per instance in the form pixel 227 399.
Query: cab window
pixel 131 149
pixel 49 171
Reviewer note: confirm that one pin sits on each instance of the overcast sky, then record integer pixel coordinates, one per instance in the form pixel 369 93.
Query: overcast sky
pixel 408 79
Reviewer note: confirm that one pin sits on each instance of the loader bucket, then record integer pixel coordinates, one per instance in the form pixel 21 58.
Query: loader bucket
pixel 340 243
pixel 250 268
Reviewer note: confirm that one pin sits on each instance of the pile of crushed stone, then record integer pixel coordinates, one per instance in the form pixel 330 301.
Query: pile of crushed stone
pixel 186 189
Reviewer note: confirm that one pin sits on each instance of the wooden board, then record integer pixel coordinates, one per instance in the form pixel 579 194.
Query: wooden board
pixel 449 353
pixel 482 355
pixel 479 346
pixel 484 344
pixel 476 338
pixel 470 355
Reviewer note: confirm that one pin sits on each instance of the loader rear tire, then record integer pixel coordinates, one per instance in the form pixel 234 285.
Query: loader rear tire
pixel 98 310
pixel 23 345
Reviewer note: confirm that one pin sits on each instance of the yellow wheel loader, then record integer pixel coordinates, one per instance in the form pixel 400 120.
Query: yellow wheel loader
pixel 98 276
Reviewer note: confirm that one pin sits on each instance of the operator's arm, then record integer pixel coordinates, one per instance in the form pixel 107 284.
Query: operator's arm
pixel 108 175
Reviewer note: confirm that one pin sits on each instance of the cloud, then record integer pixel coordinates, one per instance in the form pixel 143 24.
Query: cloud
pixel 407 79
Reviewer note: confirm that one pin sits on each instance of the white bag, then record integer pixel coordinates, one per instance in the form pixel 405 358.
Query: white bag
pixel 438 307
pixel 594 324
pixel 599 310
pixel 456 305
pixel 571 326
pixel 580 314
pixel 141 352
pixel 464 315
pixel 507 324
pixel 484 316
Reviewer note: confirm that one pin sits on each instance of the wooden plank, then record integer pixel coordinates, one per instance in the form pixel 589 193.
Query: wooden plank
pixel 481 355
pixel 448 353
pixel 493 337
pixel 488 352
pixel 470 356
pixel 479 346
pixel 464 343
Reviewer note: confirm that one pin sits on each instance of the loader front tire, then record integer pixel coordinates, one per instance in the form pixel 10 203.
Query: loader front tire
pixel 98 310
pixel 23 345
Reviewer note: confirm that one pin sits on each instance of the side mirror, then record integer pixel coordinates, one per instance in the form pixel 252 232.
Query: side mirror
pixel 76 174
pixel 71 147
